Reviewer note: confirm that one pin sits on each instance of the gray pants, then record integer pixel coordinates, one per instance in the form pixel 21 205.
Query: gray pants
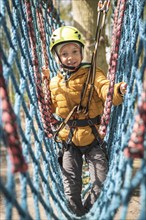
pixel 72 175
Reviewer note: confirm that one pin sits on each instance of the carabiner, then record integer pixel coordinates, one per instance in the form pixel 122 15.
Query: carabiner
pixel 103 6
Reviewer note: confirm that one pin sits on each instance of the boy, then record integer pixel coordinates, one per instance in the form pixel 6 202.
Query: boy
pixel 79 135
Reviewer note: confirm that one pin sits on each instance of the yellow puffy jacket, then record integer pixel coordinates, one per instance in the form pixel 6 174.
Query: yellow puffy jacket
pixel 66 94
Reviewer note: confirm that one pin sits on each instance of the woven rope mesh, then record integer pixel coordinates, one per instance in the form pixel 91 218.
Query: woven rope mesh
pixel 37 193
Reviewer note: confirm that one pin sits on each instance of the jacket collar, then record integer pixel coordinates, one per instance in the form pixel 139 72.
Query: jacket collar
pixel 67 75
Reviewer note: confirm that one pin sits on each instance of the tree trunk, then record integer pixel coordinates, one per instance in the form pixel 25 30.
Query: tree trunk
pixel 85 19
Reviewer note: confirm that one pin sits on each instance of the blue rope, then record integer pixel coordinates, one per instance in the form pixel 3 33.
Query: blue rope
pixel 43 181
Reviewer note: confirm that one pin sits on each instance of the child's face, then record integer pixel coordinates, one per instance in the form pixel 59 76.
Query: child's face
pixel 70 55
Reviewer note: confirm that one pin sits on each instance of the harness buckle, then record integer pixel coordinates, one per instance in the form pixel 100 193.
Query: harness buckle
pixel 74 123
pixel 90 122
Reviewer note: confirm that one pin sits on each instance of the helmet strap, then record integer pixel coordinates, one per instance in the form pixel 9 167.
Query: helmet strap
pixel 66 73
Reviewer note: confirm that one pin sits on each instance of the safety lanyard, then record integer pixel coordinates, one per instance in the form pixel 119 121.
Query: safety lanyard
pixel 102 9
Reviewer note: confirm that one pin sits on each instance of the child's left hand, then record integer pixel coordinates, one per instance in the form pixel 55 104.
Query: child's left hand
pixel 123 88
pixel 45 73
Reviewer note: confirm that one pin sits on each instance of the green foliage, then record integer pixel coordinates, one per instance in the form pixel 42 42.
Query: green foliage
pixel 65 10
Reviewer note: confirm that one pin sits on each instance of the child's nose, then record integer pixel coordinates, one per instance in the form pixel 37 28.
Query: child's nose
pixel 70 57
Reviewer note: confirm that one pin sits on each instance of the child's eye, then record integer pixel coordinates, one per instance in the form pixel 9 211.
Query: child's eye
pixel 75 51
pixel 64 54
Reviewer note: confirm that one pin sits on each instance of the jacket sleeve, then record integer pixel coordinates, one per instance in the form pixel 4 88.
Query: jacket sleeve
pixel 102 86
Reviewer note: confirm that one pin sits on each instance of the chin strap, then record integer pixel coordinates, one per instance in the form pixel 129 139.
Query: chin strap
pixel 67 73
pixel 65 67
pixel 71 69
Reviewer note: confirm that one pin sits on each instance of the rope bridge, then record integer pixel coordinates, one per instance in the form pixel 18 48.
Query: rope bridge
pixel 30 178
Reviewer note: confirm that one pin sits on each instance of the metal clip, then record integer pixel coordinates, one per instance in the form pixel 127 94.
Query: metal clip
pixel 74 123
pixel 103 6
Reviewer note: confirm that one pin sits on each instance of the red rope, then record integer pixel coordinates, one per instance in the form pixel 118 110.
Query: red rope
pixel 10 129
pixel 42 34
pixel 135 147
pixel 119 14
pixel 46 113
pixel 46 61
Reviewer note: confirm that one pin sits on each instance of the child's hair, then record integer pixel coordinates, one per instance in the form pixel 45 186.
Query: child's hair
pixel 59 47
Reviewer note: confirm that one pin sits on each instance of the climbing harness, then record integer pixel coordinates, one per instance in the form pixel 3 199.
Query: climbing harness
pixel 63 124
pixel 84 122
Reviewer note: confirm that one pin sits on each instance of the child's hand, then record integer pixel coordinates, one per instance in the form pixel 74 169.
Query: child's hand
pixel 45 73
pixel 123 88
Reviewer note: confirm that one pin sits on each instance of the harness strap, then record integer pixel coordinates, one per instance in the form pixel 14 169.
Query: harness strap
pixel 96 134
pixel 64 123
pixel 102 10
pixel 84 122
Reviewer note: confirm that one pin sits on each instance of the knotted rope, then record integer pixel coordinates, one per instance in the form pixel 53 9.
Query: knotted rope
pixel 135 147
pixel 47 92
pixel 46 112
pixel 9 121
pixel 118 21
pixel 41 194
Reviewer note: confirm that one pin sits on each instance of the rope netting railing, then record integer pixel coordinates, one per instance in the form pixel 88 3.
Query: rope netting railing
pixel 30 178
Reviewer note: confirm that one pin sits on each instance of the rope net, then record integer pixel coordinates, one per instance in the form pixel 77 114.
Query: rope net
pixel 30 177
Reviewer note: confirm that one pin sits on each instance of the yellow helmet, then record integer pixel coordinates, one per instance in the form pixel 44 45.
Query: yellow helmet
pixel 65 34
